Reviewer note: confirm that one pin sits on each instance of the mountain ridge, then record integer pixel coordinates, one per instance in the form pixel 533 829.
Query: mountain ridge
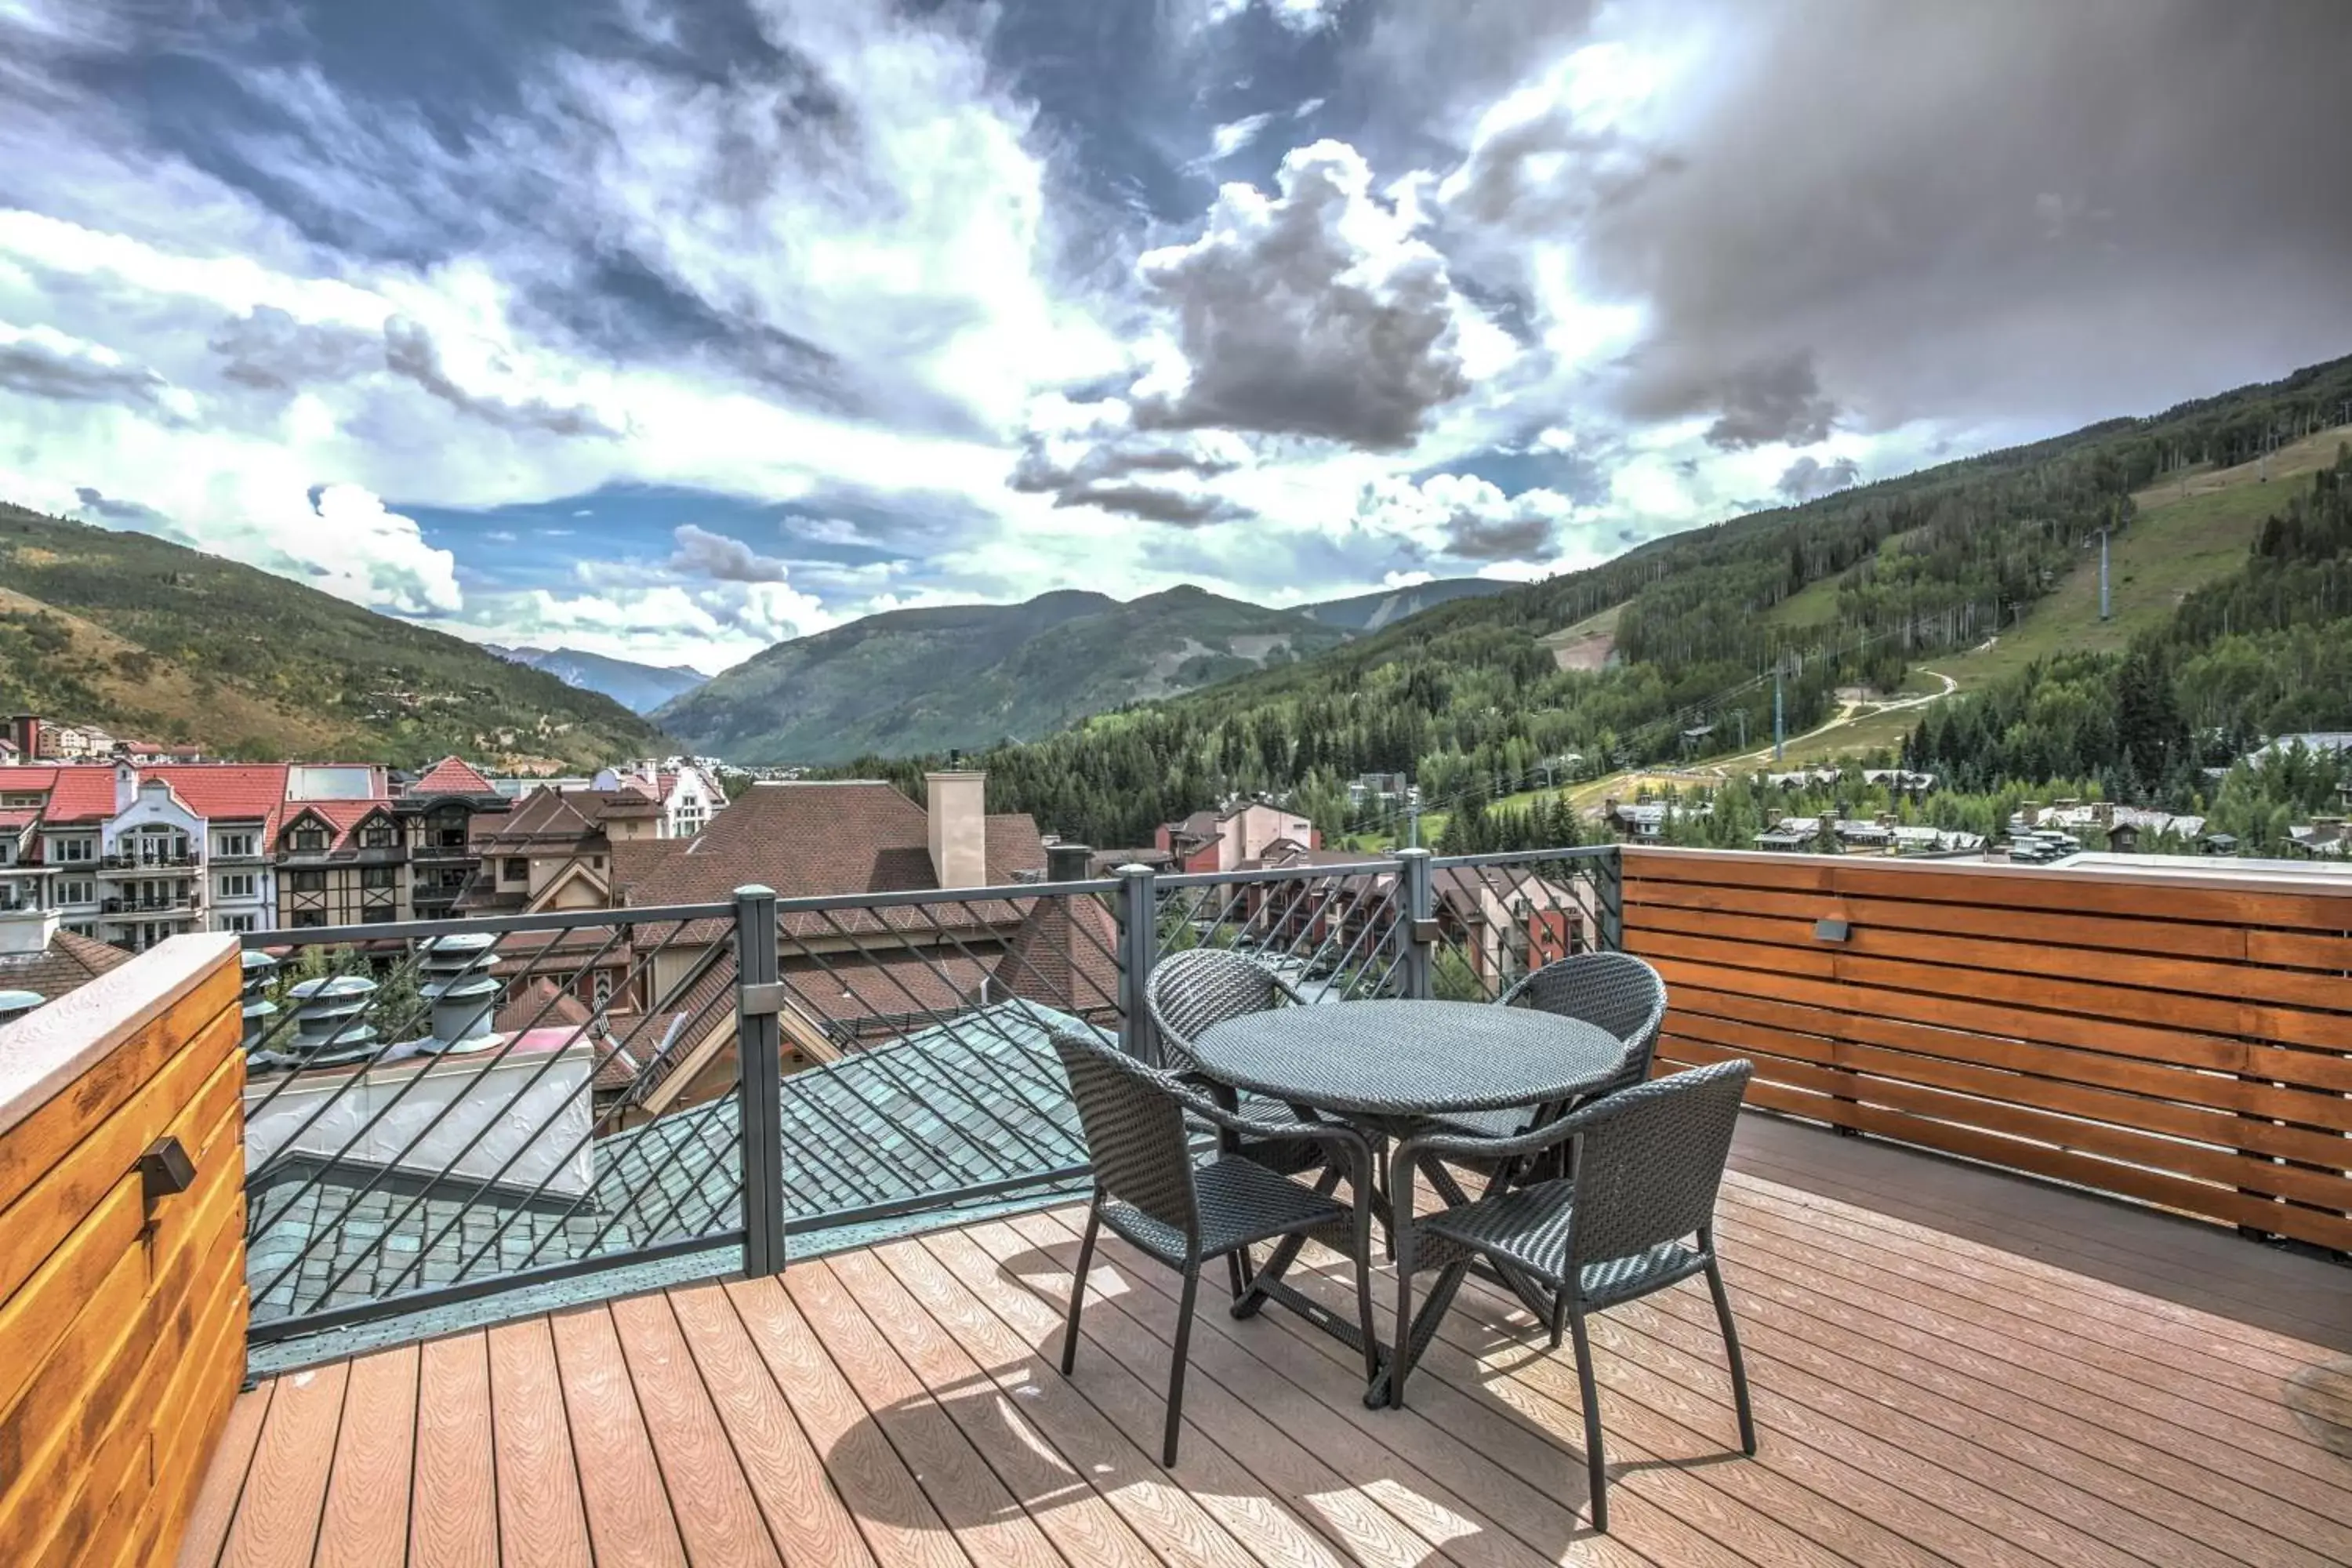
pixel 152 639
pixel 640 688
pixel 963 675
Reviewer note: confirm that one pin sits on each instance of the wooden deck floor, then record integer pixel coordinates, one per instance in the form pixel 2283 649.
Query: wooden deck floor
pixel 1950 1366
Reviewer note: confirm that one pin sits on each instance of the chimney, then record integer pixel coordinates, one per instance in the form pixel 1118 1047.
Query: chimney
pixel 126 786
pixel 1067 862
pixel 959 828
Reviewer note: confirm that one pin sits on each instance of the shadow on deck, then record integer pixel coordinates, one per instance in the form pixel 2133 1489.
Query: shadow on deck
pixel 1949 1365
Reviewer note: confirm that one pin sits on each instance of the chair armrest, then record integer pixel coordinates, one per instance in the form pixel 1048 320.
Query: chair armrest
pixel 1209 1110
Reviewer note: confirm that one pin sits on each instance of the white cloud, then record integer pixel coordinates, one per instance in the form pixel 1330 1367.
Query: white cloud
pixel 703 553
pixel 1467 518
pixel 1312 312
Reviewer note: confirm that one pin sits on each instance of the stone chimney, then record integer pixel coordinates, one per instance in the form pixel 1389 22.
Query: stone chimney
pixel 959 828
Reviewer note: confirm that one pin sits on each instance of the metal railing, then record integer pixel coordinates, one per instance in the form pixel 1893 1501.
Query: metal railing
pixel 437 1111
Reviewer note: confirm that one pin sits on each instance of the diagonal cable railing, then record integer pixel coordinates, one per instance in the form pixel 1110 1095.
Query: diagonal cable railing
pixel 930 1087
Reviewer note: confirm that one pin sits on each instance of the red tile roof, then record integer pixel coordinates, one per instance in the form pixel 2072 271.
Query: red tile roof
pixel 453 775
pixel 80 793
pixel 227 792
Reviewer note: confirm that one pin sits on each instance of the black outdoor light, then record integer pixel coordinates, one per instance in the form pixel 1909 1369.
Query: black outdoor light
pixel 166 1169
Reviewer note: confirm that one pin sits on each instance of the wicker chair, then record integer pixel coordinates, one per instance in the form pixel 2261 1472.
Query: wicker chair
pixel 1148 1189
pixel 1647 1161
pixel 1617 991
pixel 1202 987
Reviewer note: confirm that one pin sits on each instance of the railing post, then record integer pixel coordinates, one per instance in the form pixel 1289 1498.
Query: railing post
pixel 1139 948
pixel 1609 883
pixel 1419 928
pixel 759 1047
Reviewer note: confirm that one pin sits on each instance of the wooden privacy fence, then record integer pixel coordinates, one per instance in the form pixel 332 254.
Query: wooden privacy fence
pixel 122 1303
pixel 2185 1041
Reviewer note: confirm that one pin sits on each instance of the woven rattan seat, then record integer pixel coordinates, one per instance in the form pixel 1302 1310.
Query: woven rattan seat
pixel 1148 1189
pixel 1636 1216
pixel 1241 1202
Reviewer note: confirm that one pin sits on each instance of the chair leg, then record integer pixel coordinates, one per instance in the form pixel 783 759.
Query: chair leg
pixel 1362 1236
pixel 1731 1352
pixel 1401 1241
pixel 1596 1468
pixel 1078 1286
pixel 1558 1316
pixel 1237 1270
pixel 1176 1372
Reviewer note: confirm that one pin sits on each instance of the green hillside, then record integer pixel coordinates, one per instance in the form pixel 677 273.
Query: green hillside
pixel 1856 590
pixel 151 639
pixel 911 682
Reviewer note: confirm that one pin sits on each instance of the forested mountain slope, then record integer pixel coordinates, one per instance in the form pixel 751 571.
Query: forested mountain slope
pixel 151 639
pixel 1464 695
pixel 968 674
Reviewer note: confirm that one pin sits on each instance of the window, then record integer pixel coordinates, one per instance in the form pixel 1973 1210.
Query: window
pixel 82 928
pixel 73 849
pixel 307 882
pixel 16 799
pixel 379 836
pixel 310 840
pixel 515 870
pixel 310 917
pixel 596 862
pixel 77 892
pixel 379 875
pixel 237 884
pixel 379 916
pixel 234 844
pixel 237 923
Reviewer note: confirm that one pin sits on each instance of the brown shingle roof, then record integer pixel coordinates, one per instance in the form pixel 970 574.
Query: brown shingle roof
pixel 68 962
pixel 809 840
pixel 1061 955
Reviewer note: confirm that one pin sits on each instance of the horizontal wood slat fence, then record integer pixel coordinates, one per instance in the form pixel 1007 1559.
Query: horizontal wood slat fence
pixel 122 1303
pixel 2181 1040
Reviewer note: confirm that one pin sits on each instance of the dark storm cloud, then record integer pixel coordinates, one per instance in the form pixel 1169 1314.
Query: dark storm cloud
pixel 1183 506
pixel 1776 400
pixel 1809 476
pixel 2007 209
pixel 409 351
pixel 129 514
pixel 269 349
pixel 1476 537
pixel 51 366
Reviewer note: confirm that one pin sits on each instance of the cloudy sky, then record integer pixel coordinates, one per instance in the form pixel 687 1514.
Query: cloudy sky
pixel 670 328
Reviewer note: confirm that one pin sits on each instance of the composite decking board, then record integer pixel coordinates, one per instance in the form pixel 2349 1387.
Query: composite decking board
pixel 630 1517
pixel 2146 1473
pixel 1116 1402
pixel 2223 1371
pixel 286 1486
pixel 1424 1505
pixel 1539 1434
pixel 1159 1509
pixel 1054 1492
pixel 1216 1419
pixel 1521 1457
pixel 2186 1262
pixel 1933 1382
pixel 806 1516
pixel 375 1455
pixel 988 1523
pixel 538 1480
pixel 2265 1457
pixel 2034 1326
pixel 1698 1337
pixel 217 1501
pixel 1474 1482
pixel 901 1525
pixel 717 1515
pixel 453 1520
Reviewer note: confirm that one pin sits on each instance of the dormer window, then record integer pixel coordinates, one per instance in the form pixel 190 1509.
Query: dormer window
pixel 379 836
pixel 310 840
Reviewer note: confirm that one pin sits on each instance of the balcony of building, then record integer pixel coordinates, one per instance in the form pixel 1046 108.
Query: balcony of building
pixel 2034 1228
